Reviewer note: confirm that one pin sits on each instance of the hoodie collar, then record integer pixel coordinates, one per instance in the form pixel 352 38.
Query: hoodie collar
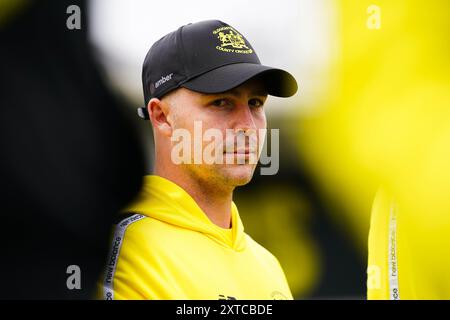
pixel 164 200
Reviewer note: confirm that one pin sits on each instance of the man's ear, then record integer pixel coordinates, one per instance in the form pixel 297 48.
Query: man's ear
pixel 158 111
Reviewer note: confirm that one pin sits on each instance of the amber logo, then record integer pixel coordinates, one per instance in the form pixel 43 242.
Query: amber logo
pixel 231 41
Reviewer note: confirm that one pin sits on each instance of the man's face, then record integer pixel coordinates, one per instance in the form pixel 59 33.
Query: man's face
pixel 241 110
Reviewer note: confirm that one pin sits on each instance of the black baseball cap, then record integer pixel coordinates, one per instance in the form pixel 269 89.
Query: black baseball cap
pixel 209 57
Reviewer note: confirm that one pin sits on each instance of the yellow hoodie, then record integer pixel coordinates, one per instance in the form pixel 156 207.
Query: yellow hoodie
pixel 169 249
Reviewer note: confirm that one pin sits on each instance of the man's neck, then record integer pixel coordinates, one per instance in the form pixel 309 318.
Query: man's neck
pixel 215 203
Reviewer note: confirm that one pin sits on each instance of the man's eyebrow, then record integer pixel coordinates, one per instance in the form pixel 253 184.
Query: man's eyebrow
pixel 238 93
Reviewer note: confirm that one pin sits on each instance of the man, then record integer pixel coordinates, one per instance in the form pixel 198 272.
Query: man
pixel 183 237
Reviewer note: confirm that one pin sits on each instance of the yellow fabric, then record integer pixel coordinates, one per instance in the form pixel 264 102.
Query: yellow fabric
pixel 421 256
pixel 176 252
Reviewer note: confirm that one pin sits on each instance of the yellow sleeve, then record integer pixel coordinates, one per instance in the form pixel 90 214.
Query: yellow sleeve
pixel 377 269
pixel 137 267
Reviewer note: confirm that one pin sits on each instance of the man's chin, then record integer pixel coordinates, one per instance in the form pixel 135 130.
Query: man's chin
pixel 239 175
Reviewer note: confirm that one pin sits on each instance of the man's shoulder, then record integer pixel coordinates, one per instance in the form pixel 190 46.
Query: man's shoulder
pixel 260 250
pixel 141 230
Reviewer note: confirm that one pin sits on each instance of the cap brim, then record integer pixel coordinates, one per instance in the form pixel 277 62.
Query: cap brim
pixel 278 82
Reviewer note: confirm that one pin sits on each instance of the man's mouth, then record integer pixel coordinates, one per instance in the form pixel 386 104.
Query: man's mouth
pixel 245 151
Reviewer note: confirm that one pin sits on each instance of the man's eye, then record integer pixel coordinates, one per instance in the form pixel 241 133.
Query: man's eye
pixel 220 103
pixel 255 103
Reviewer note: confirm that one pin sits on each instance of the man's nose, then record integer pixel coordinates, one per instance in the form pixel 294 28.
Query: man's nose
pixel 244 118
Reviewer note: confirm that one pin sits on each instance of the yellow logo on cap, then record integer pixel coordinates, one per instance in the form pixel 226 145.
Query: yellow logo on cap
pixel 231 41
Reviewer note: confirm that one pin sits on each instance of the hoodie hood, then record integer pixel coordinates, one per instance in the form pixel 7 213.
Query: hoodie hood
pixel 164 200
